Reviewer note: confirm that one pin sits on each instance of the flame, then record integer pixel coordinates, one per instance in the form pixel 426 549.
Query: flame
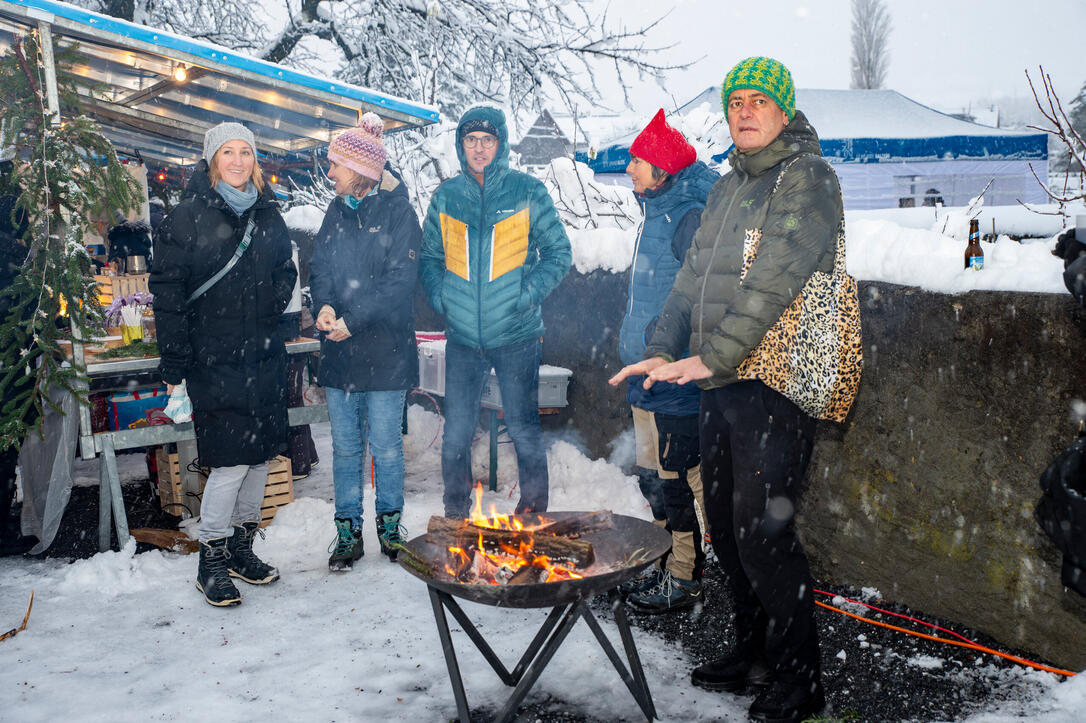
pixel 510 557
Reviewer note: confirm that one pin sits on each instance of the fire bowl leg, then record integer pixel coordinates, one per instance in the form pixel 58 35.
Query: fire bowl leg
pixel 539 653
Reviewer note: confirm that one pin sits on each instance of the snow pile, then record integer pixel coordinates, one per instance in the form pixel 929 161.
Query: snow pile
pixel 884 251
pixel 304 218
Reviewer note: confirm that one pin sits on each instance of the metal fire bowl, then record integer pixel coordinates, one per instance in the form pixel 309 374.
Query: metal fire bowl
pixel 632 542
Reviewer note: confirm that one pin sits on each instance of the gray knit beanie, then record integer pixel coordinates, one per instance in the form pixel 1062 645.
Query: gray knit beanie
pixel 222 134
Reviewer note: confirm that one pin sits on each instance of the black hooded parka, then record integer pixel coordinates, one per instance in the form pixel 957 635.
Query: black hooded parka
pixel 225 343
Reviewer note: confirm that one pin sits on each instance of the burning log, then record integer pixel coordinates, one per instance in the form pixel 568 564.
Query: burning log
pixel 453 533
pixel 580 524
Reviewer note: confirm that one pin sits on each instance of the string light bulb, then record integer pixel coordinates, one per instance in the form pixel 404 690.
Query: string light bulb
pixel 180 73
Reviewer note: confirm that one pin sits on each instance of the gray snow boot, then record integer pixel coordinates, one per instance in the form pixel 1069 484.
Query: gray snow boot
pixel 243 563
pixel 213 577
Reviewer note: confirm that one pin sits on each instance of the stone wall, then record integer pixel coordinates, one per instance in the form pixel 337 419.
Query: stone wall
pixel 927 491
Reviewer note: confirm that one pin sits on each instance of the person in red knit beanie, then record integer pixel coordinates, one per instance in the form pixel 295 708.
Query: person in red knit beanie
pixel 672 187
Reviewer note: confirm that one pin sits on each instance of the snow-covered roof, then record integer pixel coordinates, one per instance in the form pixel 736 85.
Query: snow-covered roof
pixel 873 126
pixel 144 109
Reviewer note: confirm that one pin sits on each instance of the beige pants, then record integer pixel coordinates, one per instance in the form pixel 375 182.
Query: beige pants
pixel 647 446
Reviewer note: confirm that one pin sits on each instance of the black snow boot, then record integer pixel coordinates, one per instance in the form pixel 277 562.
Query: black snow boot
pixel 213 577
pixel 788 701
pixel 243 563
pixel 734 672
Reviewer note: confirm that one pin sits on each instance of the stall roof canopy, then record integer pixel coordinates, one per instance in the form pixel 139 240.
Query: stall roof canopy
pixel 144 109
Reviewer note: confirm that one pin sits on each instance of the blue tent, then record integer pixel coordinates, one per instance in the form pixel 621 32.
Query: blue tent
pixel 891 151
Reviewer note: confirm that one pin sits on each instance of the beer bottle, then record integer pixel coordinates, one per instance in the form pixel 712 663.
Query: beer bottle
pixel 974 254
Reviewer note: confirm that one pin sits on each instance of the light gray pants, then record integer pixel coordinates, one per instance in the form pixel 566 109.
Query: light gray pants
pixel 232 496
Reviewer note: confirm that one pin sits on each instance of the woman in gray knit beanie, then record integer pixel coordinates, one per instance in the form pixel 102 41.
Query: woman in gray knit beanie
pixel 223 275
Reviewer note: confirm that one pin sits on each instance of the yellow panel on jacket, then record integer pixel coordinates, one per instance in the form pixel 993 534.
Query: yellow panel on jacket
pixel 454 237
pixel 510 246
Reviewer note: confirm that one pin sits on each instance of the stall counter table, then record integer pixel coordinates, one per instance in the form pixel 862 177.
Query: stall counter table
pixel 111 503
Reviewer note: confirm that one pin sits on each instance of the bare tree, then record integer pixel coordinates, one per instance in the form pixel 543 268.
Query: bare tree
pixel 448 53
pixel 870 38
pixel 1060 127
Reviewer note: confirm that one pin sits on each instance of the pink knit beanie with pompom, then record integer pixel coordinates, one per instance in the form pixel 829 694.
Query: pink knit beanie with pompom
pixel 360 148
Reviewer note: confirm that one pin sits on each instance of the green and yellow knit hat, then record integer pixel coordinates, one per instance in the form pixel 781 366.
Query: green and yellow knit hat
pixel 764 74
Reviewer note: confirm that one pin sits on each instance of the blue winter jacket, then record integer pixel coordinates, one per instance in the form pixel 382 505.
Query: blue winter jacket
pixel 365 264
pixel 492 253
pixel 658 256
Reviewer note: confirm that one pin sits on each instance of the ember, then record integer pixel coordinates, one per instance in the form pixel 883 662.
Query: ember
pixel 499 549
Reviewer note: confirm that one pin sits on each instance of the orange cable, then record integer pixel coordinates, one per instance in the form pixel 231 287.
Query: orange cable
pixel 974 646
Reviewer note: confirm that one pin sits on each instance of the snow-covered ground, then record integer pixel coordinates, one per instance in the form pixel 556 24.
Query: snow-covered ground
pixel 121 636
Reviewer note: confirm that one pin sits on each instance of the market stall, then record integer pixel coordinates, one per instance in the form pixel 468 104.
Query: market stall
pixel 162 92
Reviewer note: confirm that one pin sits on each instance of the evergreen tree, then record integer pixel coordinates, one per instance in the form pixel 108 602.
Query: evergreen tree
pixel 64 171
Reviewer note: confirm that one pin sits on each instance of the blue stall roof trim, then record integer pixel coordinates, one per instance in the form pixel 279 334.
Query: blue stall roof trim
pixel 217 53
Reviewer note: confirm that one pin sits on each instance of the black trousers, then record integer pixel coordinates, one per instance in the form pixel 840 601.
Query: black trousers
pixel 755 447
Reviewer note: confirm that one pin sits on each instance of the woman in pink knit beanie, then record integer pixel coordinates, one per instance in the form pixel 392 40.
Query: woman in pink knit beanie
pixel 362 281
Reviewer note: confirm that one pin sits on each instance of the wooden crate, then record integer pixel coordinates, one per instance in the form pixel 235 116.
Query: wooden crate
pixel 111 287
pixel 279 489
pixel 170 495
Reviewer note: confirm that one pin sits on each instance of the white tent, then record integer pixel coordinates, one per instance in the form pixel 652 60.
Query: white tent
pixel 890 151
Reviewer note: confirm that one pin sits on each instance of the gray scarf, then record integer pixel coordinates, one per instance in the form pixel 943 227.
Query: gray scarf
pixel 239 201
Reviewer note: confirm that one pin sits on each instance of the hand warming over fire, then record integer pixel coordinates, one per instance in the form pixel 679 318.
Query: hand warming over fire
pixel 640 368
pixel 685 370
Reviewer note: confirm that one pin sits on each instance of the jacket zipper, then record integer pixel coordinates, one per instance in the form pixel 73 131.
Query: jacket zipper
pixel 712 255
pixel 479 280
pixel 633 263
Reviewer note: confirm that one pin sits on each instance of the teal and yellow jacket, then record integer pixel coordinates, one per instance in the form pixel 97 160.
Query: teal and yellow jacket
pixel 492 253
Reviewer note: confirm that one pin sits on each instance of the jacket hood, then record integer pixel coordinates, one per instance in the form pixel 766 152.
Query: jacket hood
pixel 496 118
pixel 199 186
pixel 692 183
pixel 798 136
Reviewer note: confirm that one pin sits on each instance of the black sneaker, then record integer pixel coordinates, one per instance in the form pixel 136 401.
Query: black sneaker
pixel 346 548
pixel 243 562
pixel 788 702
pixel 670 594
pixel 390 533
pixel 213 577
pixel 734 673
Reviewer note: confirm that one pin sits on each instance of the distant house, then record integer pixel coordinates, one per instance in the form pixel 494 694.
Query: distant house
pixel 543 142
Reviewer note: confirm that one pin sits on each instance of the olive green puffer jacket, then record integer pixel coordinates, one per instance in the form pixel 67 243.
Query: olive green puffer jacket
pixel 723 301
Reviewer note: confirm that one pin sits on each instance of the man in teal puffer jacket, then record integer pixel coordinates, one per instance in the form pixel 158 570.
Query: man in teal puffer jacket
pixel 493 248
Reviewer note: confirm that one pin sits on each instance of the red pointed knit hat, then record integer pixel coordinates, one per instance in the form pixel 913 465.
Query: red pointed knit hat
pixel 663 146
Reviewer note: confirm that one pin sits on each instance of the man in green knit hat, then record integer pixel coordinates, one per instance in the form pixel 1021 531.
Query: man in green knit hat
pixel 747 302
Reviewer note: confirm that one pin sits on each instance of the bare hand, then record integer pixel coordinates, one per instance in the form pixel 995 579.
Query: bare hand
pixel 640 368
pixel 681 372
pixel 326 319
pixel 337 335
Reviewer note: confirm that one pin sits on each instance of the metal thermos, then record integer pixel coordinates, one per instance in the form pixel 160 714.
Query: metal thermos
pixel 135 265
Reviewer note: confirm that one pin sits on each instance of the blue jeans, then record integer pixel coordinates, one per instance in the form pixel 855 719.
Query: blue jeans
pixel 358 417
pixel 466 372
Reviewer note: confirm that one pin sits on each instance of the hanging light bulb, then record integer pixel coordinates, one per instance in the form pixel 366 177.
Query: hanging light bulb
pixel 180 73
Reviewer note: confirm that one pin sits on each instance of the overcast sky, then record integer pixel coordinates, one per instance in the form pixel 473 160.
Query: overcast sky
pixel 944 53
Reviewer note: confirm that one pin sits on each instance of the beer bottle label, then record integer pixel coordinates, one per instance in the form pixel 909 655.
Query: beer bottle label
pixel 976 262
